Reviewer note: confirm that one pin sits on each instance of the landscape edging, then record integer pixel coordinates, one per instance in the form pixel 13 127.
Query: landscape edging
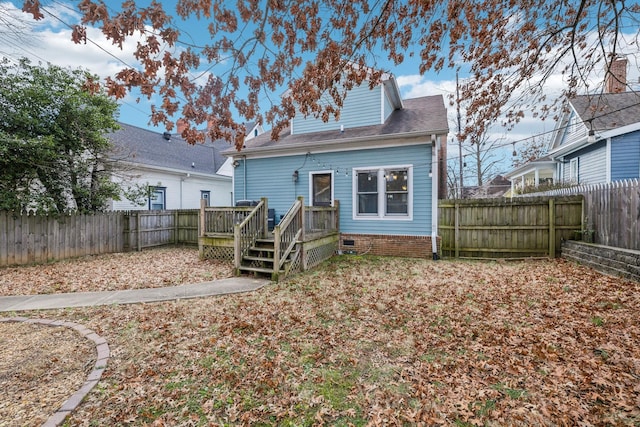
pixel 102 358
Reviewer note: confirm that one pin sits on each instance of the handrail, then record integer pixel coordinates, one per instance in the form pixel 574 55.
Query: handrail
pixel 287 233
pixel 248 231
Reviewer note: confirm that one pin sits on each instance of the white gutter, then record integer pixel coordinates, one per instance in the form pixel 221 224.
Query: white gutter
pixel 434 195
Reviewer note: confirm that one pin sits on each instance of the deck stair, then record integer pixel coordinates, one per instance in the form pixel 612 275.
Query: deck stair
pixel 259 259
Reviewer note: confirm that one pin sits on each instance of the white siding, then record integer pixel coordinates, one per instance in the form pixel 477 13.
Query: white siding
pixel 182 192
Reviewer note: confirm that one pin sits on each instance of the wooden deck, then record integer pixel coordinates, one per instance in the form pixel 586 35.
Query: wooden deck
pixel 304 237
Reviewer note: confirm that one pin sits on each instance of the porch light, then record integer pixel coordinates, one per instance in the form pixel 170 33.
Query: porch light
pixel 591 138
pixel 295 176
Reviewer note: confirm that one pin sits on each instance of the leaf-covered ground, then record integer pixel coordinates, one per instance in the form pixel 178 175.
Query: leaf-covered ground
pixel 114 272
pixel 379 341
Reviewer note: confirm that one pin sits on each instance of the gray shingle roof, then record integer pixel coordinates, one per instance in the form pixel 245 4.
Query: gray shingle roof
pixel 424 114
pixel 146 147
pixel 609 110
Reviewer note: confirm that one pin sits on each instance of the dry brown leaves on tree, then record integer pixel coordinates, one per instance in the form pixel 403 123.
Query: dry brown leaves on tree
pixel 255 50
pixel 379 341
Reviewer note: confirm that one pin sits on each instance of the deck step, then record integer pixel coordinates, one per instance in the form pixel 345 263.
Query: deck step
pixel 258 269
pixel 257 258
pixel 261 249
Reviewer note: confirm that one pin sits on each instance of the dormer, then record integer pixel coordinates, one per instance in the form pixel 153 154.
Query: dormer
pixel 362 106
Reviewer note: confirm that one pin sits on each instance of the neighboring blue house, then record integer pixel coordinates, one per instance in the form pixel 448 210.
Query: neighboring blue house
pixel 382 161
pixel 597 140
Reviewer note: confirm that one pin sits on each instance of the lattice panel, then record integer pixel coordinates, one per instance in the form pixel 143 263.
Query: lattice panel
pixel 217 252
pixel 317 255
pixel 296 265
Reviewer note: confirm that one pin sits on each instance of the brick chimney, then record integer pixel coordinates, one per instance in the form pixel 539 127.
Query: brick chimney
pixel 181 124
pixel 616 78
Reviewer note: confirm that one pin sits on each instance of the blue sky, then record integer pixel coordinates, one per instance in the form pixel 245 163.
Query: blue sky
pixel 49 41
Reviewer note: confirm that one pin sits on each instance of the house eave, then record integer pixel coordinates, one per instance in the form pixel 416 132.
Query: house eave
pixel 345 144
pixel 173 171
pixel 528 168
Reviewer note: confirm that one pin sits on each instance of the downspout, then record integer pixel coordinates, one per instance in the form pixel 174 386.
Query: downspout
pixel 435 166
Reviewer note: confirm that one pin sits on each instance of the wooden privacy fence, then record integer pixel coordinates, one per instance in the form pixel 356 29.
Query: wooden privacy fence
pixel 145 229
pixel 612 210
pixel 33 238
pixel 508 228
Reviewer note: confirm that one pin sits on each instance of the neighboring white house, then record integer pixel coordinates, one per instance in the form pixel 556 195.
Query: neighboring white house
pixel 177 174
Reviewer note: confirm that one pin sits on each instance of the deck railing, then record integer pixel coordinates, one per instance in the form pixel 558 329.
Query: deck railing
pixel 287 233
pixel 321 219
pixel 222 220
pixel 253 227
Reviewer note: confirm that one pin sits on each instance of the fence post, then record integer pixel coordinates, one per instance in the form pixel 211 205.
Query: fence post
pixel 552 228
pixel 456 232
pixel 203 203
pixel 176 218
pixel 138 226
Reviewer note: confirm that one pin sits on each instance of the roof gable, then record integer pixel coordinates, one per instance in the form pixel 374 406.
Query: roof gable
pixel 609 110
pixel 607 114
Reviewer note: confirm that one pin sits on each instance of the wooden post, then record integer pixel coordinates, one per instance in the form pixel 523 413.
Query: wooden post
pixel 552 228
pixel 203 204
pixel 303 252
pixel 176 217
pixel 336 205
pixel 265 217
pixel 456 233
pixel 237 256
pixel 138 226
pixel 276 253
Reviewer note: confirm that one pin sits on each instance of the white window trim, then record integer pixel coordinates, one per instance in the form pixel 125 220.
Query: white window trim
pixel 574 178
pixel 381 216
pixel 333 185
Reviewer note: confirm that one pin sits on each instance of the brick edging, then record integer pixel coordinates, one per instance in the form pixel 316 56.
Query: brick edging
pixel 102 358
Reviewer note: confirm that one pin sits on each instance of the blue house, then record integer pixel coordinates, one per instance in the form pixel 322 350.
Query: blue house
pixel 381 165
pixel 596 141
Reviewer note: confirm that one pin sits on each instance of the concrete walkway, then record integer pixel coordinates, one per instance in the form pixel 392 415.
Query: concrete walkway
pixel 89 299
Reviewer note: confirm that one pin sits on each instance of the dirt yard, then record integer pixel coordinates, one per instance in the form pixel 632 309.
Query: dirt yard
pixel 362 341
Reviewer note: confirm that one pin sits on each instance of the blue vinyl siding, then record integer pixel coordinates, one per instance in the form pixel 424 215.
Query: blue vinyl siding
pixel 592 166
pixel 625 156
pixel 272 178
pixel 361 108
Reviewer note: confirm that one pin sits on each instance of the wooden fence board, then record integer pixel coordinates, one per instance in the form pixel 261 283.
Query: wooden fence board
pixel 506 228
pixel 29 238
pixel 612 209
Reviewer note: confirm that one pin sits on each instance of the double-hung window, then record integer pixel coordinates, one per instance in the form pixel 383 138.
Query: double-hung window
pixel 383 192
pixel 157 199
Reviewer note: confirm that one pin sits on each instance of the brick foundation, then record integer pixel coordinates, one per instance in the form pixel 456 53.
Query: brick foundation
pixel 388 245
